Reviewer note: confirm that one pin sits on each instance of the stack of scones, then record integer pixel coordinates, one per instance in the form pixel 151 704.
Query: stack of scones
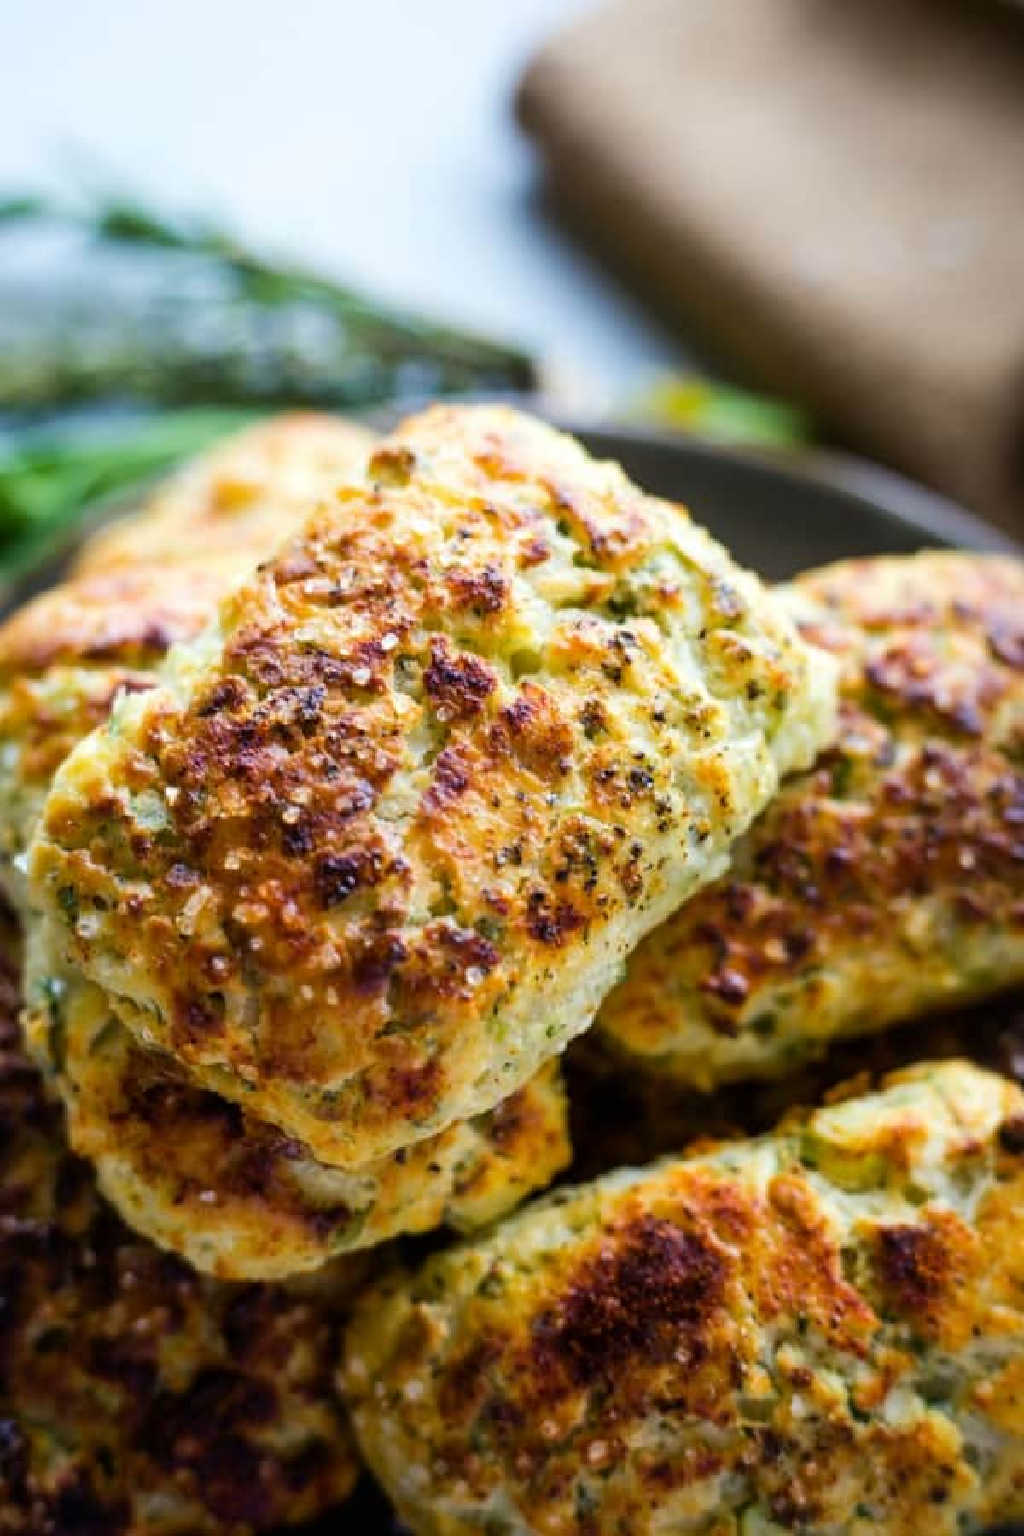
pixel 373 814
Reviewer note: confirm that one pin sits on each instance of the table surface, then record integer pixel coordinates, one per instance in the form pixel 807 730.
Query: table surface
pixel 375 138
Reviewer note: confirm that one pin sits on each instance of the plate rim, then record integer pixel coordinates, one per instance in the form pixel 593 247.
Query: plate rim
pixel 884 490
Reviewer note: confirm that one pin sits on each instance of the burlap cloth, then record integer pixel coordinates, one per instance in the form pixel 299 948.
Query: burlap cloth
pixel 832 192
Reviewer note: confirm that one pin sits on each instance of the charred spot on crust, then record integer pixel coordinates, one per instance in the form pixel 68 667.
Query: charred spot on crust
pixel 738 900
pixel 226 693
pixel 647 1296
pixel 593 718
pixel 451 779
pixel 446 962
pixel 470 949
pixel 327 1219
pixel 582 850
pixel 376 958
pixel 458 684
pixel 613 540
pixel 411 1087
pixel 297 838
pixel 535 551
pixel 914 1268
pixel 148 639
pixel 552 922
pixel 482 591
pixel 1011 1135
pixel 911 673
pixel 197 1016
pixel 336 876
pixel 257 655
pixel 534 732
pixel 465 1379
pixel 202 1431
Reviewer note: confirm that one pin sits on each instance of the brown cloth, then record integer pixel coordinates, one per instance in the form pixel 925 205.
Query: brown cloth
pixel 832 193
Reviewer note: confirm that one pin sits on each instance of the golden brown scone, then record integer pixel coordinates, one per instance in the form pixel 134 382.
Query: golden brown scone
pixel 375 851
pixel 183 1166
pixel 240 1200
pixel 888 880
pixel 137 1398
pixel 819 1331
pixel 237 494
pixel 64 658
pixel 151 580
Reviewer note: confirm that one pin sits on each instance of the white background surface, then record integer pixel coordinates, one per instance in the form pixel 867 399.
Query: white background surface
pixel 376 138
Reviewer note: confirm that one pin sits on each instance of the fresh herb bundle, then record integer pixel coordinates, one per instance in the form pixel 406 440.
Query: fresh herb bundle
pixel 199 318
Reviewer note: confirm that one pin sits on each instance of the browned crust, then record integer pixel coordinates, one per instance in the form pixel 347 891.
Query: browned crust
pixel 239 1199
pixel 734 1330
pixel 236 495
pixel 130 616
pixel 127 1377
pixel 904 842
pixel 397 812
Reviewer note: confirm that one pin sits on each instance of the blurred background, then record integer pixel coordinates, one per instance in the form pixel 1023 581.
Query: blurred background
pixel 373 141
pixel 767 222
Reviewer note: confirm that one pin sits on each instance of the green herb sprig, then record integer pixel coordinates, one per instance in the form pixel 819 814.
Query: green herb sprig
pixel 249 331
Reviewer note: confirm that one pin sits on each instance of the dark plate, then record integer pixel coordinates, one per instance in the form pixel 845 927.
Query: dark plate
pixel 777 515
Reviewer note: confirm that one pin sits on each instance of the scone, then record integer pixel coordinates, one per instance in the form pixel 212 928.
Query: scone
pixel 821 1330
pixel 239 1199
pixel 137 1398
pixel 237 494
pixel 232 1195
pixel 888 880
pixel 379 843
pixel 68 654
pixel 151 580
